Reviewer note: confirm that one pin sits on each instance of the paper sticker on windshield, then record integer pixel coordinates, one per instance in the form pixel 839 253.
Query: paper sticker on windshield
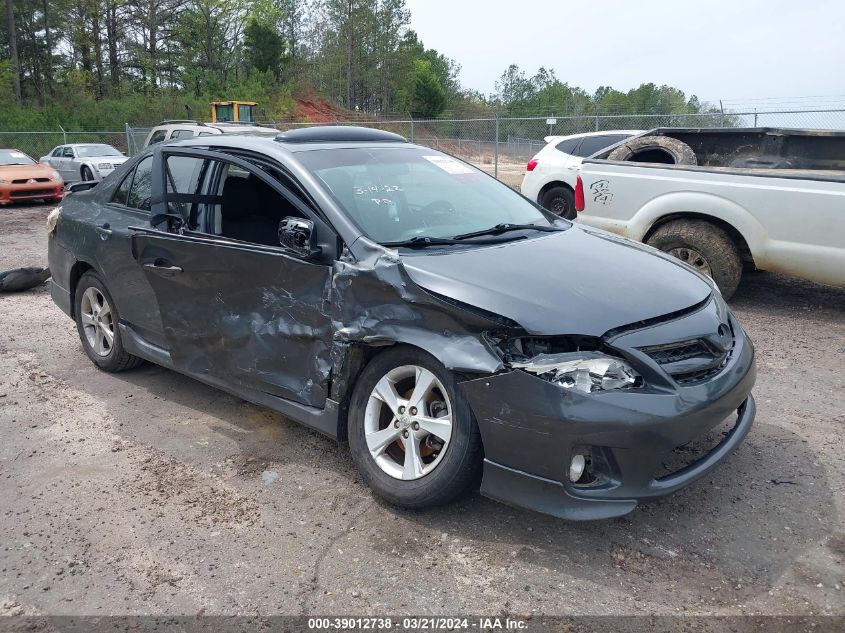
pixel 449 165
pixel 17 155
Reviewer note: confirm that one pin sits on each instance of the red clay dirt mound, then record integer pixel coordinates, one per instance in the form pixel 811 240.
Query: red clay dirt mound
pixel 317 110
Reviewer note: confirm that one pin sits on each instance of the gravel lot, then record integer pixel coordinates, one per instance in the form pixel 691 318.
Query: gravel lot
pixel 149 493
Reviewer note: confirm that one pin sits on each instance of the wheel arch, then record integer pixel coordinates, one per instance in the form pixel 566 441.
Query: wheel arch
pixel 79 268
pixel 357 355
pixel 737 237
pixel 551 185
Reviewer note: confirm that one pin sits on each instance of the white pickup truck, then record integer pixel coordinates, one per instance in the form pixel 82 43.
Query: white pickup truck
pixel 726 200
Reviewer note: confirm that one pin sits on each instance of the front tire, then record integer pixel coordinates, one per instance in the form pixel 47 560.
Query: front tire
pixel 560 201
pixel 704 246
pixel 412 433
pixel 86 174
pixel 97 323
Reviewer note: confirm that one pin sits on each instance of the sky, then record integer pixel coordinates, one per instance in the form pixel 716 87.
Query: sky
pixel 739 51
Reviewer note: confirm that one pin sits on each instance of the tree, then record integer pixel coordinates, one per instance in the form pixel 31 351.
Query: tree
pixel 13 48
pixel 264 47
pixel 429 95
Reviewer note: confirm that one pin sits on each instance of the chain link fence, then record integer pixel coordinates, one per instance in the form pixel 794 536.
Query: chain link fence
pixel 499 145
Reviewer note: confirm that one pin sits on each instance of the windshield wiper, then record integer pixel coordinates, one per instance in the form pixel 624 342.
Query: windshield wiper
pixel 506 227
pixel 421 241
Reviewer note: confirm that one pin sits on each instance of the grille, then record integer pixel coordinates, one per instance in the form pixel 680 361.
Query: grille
pixel 23 181
pixel 714 362
pixel 666 354
pixel 32 192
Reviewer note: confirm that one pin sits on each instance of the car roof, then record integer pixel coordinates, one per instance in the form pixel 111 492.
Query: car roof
pixel 558 139
pixel 280 147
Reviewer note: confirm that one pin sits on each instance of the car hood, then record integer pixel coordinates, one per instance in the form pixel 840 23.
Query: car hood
pixel 16 172
pixel 577 281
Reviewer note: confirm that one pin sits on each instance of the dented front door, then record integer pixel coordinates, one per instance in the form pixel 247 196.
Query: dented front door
pixel 251 316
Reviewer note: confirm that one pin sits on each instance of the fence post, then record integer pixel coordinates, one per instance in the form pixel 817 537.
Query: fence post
pixel 128 140
pixel 411 117
pixel 496 153
pixel 64 134
pixel 597 120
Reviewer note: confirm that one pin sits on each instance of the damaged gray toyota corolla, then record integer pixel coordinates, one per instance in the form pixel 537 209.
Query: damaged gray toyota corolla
pixel 394 296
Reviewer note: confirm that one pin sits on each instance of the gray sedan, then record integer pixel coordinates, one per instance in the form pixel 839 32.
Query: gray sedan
pixel 84 161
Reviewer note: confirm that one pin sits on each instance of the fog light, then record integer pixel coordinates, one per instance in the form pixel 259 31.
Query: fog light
pixel 576 468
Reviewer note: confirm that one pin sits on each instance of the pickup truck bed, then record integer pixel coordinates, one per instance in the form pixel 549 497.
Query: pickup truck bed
pixel 767 199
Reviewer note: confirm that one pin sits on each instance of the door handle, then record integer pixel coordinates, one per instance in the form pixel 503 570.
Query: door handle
pixel 163 269
pixel 104 231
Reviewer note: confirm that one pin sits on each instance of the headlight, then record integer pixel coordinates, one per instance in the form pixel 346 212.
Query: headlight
pixel 3 182
pixel 587 372
pixel 104 165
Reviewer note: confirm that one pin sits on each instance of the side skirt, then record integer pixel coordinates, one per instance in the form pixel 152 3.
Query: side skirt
pixel 323 420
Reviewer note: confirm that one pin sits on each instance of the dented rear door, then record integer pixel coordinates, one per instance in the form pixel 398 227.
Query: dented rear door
pixel 252 316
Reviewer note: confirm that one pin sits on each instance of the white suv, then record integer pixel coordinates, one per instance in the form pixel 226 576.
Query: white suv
pixel 550 175
pixel 181 129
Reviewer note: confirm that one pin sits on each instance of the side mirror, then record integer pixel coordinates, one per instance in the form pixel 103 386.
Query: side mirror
pixel 82 186
pixel 298 236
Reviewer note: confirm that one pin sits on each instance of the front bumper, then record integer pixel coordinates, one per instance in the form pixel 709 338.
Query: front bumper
pixel 52 190
pixel 531 428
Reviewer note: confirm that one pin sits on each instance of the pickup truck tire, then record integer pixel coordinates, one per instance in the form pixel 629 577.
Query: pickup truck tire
pixel 560 201
pixel 704 246
pixel 655 149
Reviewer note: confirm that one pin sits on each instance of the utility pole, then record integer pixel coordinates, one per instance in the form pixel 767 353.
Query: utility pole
pixel 13 48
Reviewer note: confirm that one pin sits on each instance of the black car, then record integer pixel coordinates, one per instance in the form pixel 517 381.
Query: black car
pixel 393 296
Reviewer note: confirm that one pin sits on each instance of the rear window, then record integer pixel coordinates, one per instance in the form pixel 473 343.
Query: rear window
pixel 568 146
pixel 157 137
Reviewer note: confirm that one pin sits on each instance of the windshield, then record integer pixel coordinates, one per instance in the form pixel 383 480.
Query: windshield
pixel 90 151
pixel 396 194
pixel 14 157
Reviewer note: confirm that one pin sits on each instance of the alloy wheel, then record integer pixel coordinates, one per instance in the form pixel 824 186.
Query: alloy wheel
pixel 408 422
pixel 97 321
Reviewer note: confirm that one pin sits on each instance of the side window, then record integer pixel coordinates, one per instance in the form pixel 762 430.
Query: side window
pixel 182 134
pixel 568 146
pixel 57 152
pixel 68 152
pixel 142 185
pixel 249 209
pixel 184 174
pixel 157 137
pixel 123 189
pixel 205 134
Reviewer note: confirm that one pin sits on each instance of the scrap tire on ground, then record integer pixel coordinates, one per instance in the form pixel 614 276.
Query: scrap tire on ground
pixel 712 242
pixel 655 149
pixel 459 468
pixel 117 359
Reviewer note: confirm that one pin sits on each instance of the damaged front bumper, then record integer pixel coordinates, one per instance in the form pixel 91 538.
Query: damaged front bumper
pixel 531 428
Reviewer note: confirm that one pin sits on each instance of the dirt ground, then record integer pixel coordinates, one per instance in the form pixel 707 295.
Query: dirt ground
pixel 149 493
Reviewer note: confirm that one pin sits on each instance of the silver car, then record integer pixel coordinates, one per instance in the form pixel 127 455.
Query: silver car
pixel 84 161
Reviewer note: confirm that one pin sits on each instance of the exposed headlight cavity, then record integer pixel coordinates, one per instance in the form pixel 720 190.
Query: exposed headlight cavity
pixel 587 372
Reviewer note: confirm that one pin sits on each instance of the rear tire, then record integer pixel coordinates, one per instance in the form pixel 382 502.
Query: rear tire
pixel 704 246
pixel 559 200
pixel 378 439
pixel 97 322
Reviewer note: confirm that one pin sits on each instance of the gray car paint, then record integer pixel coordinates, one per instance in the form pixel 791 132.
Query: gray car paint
pixel 364 296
